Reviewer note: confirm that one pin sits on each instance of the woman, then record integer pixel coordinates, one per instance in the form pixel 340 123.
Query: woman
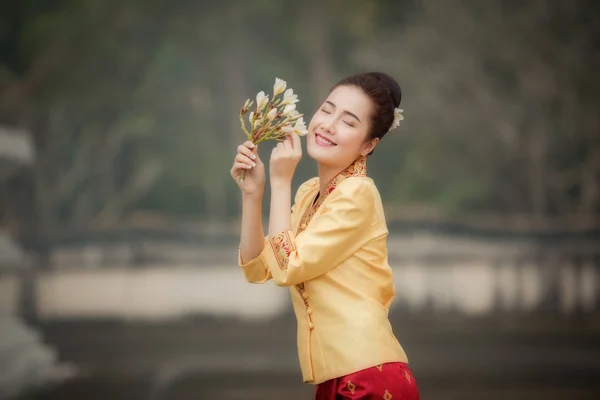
pixel 329 247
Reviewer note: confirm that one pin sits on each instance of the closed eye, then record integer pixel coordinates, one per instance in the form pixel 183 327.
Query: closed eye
pixel 344 111
pixel 325 111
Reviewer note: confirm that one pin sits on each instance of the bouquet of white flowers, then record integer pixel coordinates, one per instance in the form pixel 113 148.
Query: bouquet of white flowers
pixel 272 119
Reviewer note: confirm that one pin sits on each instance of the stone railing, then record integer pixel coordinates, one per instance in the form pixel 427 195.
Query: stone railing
pixel 431 273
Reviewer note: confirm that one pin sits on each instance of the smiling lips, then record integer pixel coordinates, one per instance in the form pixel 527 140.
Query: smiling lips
pixel 323 141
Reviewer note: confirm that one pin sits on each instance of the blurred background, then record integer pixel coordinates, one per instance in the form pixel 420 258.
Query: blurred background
pixel 119 220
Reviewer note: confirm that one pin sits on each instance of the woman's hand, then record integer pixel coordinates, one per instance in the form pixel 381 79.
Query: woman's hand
pixel 284 160
pixel 247 160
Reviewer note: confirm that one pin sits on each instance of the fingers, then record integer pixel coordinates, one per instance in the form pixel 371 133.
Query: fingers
pixel 239 165
pixel 287 142
pixel 248 154
pixel 285 149
pixel 292 139
pixel 248 149
pixel 295 142
pixel 291 143
pixel 247 162
pixel 243 159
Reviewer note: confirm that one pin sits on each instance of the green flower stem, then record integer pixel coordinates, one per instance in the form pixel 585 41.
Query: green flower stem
pixel 244 127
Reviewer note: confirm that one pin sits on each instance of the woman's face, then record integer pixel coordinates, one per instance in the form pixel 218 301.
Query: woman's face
pixel 338 131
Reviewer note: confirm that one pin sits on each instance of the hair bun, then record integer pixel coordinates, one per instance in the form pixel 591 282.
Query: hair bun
pixel 392 86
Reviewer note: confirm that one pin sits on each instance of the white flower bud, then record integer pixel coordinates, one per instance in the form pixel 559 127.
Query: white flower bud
pixel 261 100
pixel 300 127
pixel 287 129
pixel 289 97
pixel 288 109
pixel 272 114
pixel 279 87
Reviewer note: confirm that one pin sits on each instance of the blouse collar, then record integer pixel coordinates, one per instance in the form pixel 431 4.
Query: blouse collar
pixel 357 168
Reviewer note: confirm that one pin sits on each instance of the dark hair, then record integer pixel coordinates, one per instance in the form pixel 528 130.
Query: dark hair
pixel 384 92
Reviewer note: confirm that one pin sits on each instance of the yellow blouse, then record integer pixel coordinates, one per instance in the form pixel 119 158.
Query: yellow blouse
pixel 335 263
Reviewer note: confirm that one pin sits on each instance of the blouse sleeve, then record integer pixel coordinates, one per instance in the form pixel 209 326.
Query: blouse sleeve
pixel 344 225
pixel 256 270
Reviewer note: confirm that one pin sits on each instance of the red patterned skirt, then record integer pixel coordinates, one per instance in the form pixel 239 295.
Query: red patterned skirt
pixel 391 381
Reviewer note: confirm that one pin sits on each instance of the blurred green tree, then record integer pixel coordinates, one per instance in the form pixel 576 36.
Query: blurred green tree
pixel 133 105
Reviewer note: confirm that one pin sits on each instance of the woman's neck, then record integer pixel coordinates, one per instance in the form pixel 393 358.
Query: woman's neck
pixel 326 174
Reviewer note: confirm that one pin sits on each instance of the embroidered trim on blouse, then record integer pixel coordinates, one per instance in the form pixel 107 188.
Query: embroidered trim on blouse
pixel 282 246
pixel 357 168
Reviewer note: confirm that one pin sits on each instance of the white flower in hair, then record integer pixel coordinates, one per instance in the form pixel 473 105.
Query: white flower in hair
pixel 397 118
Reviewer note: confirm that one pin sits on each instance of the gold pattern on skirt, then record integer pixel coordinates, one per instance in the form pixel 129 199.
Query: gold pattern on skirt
pixel 351 387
